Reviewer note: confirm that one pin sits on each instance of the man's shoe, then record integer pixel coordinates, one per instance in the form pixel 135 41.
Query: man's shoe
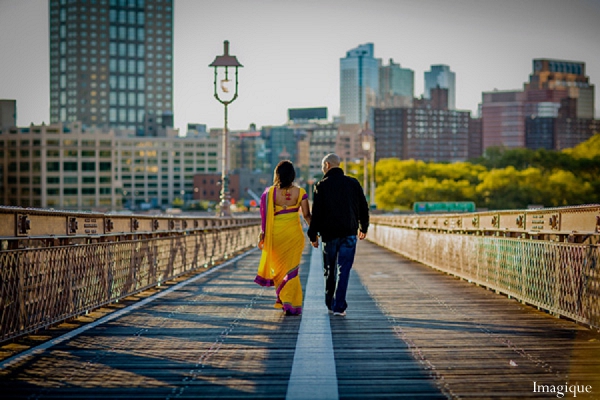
pixel 340 314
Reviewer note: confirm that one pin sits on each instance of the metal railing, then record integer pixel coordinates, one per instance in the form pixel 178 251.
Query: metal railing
pixel 548 258
pixel 58 265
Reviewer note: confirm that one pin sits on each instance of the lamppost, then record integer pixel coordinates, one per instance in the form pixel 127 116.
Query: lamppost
pixel 372 204
pixel 366 145
pixel 225 61
pixel 367 138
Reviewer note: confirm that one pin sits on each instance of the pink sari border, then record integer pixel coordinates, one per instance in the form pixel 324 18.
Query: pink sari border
pixel 263 282
pixel 287 211
pixel 288 277
pixel 291 309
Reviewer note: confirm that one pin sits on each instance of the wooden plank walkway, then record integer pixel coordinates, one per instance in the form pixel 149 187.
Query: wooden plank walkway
pixel 474 342
pixel 410 332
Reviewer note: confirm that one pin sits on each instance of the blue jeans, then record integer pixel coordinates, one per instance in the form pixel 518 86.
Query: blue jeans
pixel 338 256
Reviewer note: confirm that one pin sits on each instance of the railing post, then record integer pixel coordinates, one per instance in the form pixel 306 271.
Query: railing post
pixel 22 312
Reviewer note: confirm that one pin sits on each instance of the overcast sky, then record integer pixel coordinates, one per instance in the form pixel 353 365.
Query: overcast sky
pixel 290 49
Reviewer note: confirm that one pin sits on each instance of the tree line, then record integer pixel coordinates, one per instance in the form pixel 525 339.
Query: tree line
pixel 500 179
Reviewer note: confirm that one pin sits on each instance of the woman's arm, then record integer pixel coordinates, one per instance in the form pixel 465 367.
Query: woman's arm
pixel 263 217
pixel 305 210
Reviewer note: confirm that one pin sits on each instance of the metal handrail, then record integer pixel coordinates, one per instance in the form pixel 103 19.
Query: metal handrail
pixel 541 223
pixel 54 270
pixel 551 262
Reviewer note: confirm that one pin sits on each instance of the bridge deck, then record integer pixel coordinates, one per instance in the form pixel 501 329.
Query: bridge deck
pixel 410 332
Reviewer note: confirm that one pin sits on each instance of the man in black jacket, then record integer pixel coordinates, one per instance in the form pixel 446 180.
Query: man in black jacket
pixel 339 212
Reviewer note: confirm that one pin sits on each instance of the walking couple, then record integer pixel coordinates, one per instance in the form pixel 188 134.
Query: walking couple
pixel 340 213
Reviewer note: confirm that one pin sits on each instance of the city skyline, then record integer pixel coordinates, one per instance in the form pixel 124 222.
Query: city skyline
pixel 291 51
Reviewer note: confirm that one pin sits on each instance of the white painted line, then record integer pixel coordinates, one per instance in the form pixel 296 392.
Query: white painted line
pixel 313 370
pixel 69 335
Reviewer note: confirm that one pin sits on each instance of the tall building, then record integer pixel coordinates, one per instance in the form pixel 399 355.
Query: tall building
pixel 8 113
pixel 569 132
pixel 503 119
pixel 539 132
pixel 554 111
pixel 359 84
pixel 424 133
pixel 390 132
pixel 65 166
pixel 396 86
pixel 247 150
pixel 322 142
pixel 57 166
pixel 111 64
pixel 441 76
pixel 475 138
pixel 281 144
pixel 561 79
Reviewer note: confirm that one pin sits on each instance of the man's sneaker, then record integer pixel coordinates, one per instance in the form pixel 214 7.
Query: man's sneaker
pixel 340 314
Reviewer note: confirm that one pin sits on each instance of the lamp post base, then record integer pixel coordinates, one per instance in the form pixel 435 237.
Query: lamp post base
pixel 225 208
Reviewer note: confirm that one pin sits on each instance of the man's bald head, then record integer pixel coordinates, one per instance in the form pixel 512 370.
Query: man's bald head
pixel 331 160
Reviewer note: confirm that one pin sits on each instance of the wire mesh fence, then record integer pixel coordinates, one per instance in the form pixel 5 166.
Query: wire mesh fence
pixel 560 277
pixel 44 285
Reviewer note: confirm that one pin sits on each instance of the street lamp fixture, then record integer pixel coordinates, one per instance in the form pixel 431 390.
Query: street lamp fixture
pixel 222 66
pixel 367 138
pixel 366 143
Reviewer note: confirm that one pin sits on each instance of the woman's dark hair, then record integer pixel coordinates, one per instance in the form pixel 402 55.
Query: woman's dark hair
pixel 284 174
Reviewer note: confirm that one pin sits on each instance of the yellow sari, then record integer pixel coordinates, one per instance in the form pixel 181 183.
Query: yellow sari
pixel 282 251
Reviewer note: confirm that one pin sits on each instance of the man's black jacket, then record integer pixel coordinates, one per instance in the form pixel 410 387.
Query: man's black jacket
pixel 339 207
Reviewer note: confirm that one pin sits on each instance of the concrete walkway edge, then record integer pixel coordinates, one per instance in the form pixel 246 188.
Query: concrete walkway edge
pixel 313 370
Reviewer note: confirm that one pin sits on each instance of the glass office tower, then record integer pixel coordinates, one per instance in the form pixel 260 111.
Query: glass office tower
pixel 440 75
pixel 111 63
pixel 359 84
pixel 396 86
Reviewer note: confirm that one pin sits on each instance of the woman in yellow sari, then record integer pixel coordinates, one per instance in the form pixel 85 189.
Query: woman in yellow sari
pixel 282 238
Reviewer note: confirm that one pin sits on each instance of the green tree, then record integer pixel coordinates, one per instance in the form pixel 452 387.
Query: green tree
pixel 588 149
pixel 564 189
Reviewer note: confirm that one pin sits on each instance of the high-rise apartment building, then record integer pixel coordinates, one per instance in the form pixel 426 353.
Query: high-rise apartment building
pixel 503 119
pixel 111 63
pixel 441 76
pixel 424 133
pixel 322 142
pixel 561 79
pixel 569 132
pixel 396 86
pixel 359 84
pixel 554 111
pixel 348 144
